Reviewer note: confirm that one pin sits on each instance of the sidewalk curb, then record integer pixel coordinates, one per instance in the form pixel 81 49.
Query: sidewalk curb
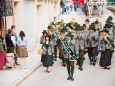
pixel 27 74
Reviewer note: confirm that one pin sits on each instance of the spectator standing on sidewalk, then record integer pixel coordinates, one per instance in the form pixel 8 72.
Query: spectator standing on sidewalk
pixel 100 4
pixel 10 42
pixel 2 43
pixel 22 46
pixel 63 6
pixel 71 5
pixel 13 27
pixel 68 6
pixel 90 8
pixel 75 5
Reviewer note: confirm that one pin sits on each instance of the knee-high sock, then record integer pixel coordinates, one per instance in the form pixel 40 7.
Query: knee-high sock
pixel 78 62
pixel 63 60
pixel 94 58
pixel 72 71
pixel 68 69
pixel 81 63
pixel 90 58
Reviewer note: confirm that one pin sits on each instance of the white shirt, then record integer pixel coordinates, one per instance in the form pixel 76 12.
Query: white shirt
pixel 21 42
pixel 13 40
pixel 68 2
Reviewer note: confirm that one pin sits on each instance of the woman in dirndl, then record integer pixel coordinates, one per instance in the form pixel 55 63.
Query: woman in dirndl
pixel 47 59
pixel 22 49
pixel 105 42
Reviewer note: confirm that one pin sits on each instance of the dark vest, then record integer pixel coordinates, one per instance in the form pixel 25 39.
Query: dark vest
pixel 9 41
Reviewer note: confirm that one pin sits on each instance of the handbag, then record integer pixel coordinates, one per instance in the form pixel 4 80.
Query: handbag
pixel 111 48
pixel 40 51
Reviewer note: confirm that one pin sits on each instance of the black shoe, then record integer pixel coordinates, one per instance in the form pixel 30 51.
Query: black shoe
pixel 93 64
pixel 64 65
pixel 72 79
pixel 81 69
pixel 107 68
pixel 55 59
pixel 68 78
pixel 90 63
pixel 96 60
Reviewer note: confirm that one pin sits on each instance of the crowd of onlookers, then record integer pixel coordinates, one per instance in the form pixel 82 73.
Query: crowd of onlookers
pixel 68 6
pixel 14 44
pixel 86 6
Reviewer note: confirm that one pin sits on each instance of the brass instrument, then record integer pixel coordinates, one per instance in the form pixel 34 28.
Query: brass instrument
pixel 61 25
pixel 72 25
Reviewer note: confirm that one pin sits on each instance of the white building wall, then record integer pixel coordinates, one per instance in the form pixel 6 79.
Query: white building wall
pixel 33 18
pixel 30 22
pixel 18 14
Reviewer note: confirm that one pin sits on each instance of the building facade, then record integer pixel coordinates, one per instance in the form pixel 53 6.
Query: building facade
pixel 33 16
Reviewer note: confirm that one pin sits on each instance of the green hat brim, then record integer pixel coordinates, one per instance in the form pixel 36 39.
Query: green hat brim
pixel 69 34
pixel 44 31
pixel 96 22
pixel 87 20
pixel 92 28
pixel 84 25
pixel 104 30
pixel 62 30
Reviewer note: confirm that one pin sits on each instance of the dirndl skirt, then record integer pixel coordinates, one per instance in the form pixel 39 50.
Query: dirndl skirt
pixel 47 60
pixel 105 59
pixel 22 52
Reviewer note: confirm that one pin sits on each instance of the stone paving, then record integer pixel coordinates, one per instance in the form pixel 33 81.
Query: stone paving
pixel 90 76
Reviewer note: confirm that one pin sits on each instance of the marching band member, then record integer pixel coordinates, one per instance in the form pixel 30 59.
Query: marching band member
pixel 110 19
pixel 42 39
pixel 105 41
pixel 60 46
pixel 85 31
pixel 87 23
pixel 54 39
pixel 48 52
pixel 80 40
pixel 92 43
pixel 110 30
pixel 70 50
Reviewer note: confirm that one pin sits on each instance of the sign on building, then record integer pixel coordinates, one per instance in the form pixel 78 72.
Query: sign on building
pixel 6 8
